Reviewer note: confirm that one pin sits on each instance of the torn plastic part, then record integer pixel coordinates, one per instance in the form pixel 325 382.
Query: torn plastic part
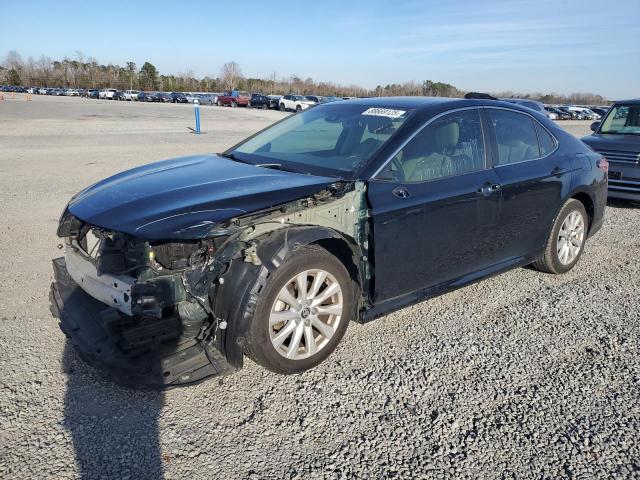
pixel 251 255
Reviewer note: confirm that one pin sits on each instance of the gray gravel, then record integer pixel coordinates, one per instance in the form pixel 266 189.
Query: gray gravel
pixel 525 375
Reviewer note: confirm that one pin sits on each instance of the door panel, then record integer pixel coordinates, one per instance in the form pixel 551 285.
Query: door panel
pixel 432 232
pixel 532 194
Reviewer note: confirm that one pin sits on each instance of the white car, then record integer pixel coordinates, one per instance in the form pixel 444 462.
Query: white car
pixel 107 93
pixel 72 92
pixel 42 91
pixel 131 95
pixel 295 102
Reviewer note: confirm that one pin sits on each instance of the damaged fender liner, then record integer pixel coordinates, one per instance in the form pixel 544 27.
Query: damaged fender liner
pixel 87 323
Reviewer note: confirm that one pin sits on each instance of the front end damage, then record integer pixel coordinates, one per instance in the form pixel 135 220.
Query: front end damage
pixel 166 313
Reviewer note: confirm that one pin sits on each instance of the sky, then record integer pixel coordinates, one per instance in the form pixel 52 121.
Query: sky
pixel 561 46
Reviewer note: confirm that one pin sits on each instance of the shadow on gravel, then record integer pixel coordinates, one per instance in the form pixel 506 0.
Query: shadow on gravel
pixel 114 430
pixel 619 203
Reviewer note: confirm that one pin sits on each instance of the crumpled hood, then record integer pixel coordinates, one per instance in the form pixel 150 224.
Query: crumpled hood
pixel 183 197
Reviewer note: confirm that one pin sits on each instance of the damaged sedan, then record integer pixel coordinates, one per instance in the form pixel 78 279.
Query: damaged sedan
pixel 175 271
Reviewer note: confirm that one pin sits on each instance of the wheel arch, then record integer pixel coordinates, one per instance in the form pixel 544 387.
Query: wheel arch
pixel 589 205
pixel 236 297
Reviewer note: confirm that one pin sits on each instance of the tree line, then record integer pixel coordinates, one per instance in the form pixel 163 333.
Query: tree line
pixel 86 72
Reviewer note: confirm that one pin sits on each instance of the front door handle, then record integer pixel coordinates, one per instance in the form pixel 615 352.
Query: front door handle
pixel 489 188
pixel 401 192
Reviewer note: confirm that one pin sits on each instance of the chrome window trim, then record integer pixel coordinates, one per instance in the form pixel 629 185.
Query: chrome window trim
pixel 422 127
pixel 535 120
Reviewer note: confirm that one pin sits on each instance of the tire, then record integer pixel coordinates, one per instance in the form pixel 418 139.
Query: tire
pixel 552 260
pixel 265 107
pixel 262 335
pixel 219 103
pixel 282 108
pixel 298 108
pixel 234 104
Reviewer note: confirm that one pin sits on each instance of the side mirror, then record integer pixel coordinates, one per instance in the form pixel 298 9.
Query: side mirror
pixel 594 126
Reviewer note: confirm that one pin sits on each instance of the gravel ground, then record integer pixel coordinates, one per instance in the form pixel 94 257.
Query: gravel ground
pixel 525 375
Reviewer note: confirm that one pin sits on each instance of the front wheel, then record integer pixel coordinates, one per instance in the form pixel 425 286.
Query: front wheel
pixel 298 108
pixel 282 107
pixel 303 312
pixel 566 242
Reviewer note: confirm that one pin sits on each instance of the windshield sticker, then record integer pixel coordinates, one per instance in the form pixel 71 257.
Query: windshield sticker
pixel 384 112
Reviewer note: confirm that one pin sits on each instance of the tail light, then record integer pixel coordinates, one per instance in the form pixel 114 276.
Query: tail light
pixel 603 164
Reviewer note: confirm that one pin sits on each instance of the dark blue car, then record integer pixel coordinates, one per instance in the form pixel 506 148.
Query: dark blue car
pixel 617 137
pixel 174 271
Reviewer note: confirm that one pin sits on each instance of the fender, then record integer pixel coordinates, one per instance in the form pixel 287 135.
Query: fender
pixel 235 297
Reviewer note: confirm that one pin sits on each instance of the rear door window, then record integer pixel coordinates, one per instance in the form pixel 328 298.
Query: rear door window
pixel 515 135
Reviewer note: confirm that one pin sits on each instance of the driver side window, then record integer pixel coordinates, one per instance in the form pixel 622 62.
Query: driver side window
pixel 451 145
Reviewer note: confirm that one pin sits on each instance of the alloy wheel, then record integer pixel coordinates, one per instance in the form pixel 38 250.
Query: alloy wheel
pixel 305 314
pixel 570 238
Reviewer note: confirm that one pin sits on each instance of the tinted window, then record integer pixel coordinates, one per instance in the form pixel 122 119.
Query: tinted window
pixel 545 140
pixel 451 145
pixel 515 135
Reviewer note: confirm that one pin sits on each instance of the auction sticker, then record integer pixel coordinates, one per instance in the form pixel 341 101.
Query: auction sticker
pixel 384 112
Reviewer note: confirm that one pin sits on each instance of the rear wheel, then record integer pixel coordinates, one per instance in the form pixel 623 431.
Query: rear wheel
pixel 298 108
pixel 566 242
pixel 282 108
pixel 303 312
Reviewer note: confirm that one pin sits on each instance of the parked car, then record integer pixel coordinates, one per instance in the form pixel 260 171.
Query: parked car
pixel 93 93
pixel 173 271
pixel 295 102
pixel 42 91
pixel 617 137
pixel 163 97
pixel 534 105
pixel 274 101
pixel 315 98
pixel 600 111
pixel 258 100
pixel 177 97
pixel 107 93
pixel 231 99
pixel 205 98
pixel 560 115
pixel 131 95
pixel 147 97
pixel 72 92
pixel 32 90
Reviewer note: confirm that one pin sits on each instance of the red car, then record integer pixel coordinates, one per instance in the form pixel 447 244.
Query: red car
pixel 241 99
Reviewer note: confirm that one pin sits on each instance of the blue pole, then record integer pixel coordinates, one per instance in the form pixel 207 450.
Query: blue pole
pixel 196 106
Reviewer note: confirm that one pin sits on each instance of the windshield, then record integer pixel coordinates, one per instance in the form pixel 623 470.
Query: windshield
pixel 330 139
pixel 622 119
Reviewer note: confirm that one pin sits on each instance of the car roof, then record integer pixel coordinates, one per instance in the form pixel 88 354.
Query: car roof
pixel 633 101
pixel 431 103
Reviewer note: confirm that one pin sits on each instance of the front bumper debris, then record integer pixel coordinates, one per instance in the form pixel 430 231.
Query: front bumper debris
pixel 118 345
